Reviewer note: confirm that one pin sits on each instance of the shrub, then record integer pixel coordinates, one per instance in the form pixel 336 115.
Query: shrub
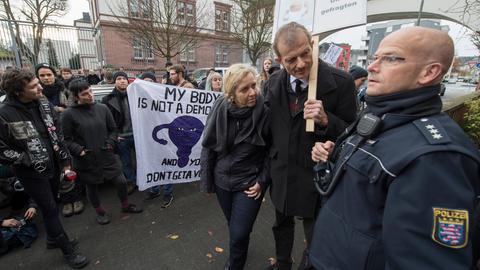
pixel 472 120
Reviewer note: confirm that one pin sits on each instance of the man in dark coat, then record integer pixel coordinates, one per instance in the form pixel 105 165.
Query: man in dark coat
pixel 292 190
pixel 117 102
pixel 408 193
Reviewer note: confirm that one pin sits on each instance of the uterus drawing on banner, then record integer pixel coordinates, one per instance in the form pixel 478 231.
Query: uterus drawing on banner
pixel 184 132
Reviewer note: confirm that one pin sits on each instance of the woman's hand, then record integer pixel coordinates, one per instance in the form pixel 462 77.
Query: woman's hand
pixel 30 213
pixel 254 191
pixel 11 223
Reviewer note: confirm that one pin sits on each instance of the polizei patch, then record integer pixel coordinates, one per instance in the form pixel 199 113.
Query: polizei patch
pixel 450 227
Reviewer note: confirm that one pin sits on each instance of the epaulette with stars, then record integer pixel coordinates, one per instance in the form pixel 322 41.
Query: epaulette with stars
pixel 432 130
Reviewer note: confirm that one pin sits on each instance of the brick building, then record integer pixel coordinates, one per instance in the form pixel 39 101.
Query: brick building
pixel 215 47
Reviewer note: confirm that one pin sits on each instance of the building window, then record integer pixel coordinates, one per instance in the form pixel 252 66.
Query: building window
pixel 222 18
pixel 140 8
pixel 188 55
pixel 142 49
pixel 186 12
pixel 221 55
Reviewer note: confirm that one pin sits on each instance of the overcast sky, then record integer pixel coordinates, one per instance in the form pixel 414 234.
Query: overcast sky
pixel 459 34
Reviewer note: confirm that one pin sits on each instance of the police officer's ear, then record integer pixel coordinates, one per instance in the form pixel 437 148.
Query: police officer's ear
pixel 431 74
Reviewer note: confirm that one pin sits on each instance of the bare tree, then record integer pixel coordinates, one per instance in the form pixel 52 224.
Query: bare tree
pixel 38 13
pixel 469 10
pixel 252 26
pixel 166 27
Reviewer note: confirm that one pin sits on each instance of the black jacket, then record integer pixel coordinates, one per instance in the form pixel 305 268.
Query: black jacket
pixel 292 190
pixel 406 198
pixel 90 128
pixel 240 164
pixel 22 123
pixel 113 104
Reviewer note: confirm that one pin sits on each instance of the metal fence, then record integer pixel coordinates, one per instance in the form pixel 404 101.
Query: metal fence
pixel 22 46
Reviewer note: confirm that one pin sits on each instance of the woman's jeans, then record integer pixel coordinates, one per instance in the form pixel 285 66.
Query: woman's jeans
pixel 241 212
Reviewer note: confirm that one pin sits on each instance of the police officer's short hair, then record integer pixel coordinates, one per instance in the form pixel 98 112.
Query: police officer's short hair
pixel 14 81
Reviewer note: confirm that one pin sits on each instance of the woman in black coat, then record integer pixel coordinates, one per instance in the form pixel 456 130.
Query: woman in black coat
pixel 233 160
pixel 90 134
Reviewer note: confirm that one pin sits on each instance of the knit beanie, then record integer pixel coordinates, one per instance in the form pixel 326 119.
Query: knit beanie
pixel 149 75
pixel 44 65
pixel 119 74
pixel 357 72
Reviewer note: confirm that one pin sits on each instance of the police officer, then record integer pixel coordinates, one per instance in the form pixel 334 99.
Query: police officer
pixel 403 185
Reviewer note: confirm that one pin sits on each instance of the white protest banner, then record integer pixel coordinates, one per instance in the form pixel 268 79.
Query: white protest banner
pixel 332 54
pixel 168 123
pixel 338 14
pixel 300 11
pixel 320 16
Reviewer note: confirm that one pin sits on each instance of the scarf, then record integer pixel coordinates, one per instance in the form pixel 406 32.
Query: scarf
pixel 52 92
pixel 46 113
pixel 254 123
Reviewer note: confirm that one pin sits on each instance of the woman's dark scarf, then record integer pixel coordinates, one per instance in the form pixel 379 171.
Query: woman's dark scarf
pixel 216 129
pixel 52 92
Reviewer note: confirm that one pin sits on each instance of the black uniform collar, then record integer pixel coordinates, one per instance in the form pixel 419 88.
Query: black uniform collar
pixel 405 106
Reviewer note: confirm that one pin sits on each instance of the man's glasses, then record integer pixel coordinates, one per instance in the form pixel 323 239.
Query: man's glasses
pixel 385 59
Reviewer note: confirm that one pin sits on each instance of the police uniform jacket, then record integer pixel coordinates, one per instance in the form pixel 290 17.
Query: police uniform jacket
pixel 292 190
pixel 406 198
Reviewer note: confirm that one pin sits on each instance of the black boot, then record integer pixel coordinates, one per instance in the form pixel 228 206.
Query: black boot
pixel 52 243
pixel 73 258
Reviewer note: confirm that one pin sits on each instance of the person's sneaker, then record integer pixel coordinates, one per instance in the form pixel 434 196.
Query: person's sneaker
pixel 67 210
pixel 132 208
pixel 103 219
pixel 78 207
pixel 131 188
pixel 151 195
pixel 167 201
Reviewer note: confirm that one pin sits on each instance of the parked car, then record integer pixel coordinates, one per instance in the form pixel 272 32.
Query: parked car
pixel 99 91
pixel 200 73
pixel 453 80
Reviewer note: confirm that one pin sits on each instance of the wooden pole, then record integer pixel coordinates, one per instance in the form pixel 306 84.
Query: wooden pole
pixel 312 81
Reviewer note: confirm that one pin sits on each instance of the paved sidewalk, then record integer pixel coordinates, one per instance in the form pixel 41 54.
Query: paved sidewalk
pixel 144 241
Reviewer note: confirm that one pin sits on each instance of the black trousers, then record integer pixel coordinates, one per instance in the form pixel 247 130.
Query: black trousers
pixel 241 212
pixel 44 193
pixel 120 183
pixel 284 233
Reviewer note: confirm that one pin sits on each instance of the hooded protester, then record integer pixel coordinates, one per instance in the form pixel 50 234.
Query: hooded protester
pixel 53 89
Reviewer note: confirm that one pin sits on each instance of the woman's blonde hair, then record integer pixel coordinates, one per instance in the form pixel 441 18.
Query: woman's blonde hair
pixel 208 85
pixel 234 74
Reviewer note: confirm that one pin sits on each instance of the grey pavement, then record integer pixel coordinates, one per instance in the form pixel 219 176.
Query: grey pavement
pixel 146 240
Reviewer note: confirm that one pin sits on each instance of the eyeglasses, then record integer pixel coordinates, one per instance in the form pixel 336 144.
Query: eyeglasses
pixel 385 59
